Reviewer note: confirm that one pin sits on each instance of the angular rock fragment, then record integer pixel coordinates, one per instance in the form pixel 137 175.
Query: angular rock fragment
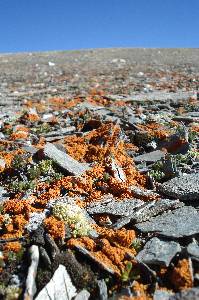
pixel 154 208
pixel 189 294
pixel 32 272
pixel 114 207
pixel 150 157
pixel 182 222
pixel 59 287
pixel 193 250
pixel 146 211
pixel 158 252
pixel 144 193
pixel 83 295
pixel 51 246
pixel 103 293
pixel 68 164
pixel 184 187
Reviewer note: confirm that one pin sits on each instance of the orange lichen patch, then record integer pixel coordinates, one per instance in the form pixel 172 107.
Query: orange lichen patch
pixel 111 256
pixel 12 246
pixel 19 222
pixel 85 241
pixel 31 117
pixel 181 277
pixel 16 207
pixel 9 156
pixel 55 227
pixel 155 130
pixel 141 291
pixel 195 128
pixel 58 102
pixel 22 128
pixel 19 135
pixel 104 260
pixel 181 110
pixel 76 147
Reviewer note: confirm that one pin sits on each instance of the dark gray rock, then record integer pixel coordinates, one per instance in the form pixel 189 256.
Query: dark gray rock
pixel 150 157
pixel 44 257
pixel 114 207
pixel 184 187
pixel 190 294
pixel 154 208
pixel 51 246
pixel 182 222
pixel 68 164
pixel 146 211
pixel 158 252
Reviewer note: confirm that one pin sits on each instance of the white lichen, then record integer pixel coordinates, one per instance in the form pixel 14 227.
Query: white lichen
pixel 73 216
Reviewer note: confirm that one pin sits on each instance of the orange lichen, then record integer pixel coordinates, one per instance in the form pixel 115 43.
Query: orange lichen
pixel 9 156
pixel 16 207
pixel 32 117
pixel 19 222
pixel 12 246
pixel 112 256
pixel 181 277
pixel 55 227
pixel 155 130
pixel 19 135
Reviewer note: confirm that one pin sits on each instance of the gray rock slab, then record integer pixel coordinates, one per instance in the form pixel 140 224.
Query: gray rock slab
pixel 114 207
pixel 182 222
pixel 161 96
pixel 68 164
pixel 184 187
pixel 190 294
pixel 154 208
pixel 150 157
pixel 158 252
pixel 146 211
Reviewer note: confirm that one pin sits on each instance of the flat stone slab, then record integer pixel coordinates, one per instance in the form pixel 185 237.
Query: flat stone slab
pixel 147 210
pixel 154 208
pixel 162 96
pixel 150 157
pixel 114 207
pixel 65 161
pixel 158 252
pixel 181 222
pixel 184 187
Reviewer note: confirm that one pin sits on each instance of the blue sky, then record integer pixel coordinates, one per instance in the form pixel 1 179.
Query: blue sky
pixel 39 25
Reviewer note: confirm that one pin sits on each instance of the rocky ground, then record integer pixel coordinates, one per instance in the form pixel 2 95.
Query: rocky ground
pixel 99 181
